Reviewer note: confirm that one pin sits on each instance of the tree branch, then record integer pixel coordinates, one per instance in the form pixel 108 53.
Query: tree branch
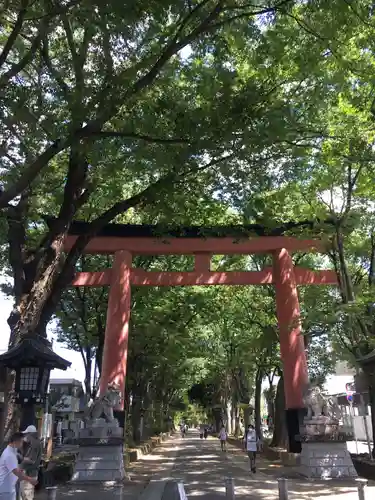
pixel 15 32
pixel 57 11
pixel 111 108
pixel 267 10
pixel 371 273
pixel 53 72
pixel 140 137
pixel 32 171
pixel 75 335
pixel 27 58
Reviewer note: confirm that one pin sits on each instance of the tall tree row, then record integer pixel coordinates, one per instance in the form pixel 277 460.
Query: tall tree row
pixel 190 112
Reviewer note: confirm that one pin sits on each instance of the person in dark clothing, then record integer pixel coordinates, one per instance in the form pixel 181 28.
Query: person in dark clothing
pixel 31 461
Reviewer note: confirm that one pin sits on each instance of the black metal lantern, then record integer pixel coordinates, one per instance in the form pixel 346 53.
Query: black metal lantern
pixel 32 359
pixel 32 383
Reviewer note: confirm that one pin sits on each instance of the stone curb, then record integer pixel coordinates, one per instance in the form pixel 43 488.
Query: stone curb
pixel 146 448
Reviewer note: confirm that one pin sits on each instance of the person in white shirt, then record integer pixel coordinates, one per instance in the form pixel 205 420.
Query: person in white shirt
pixel 223 438
pixel 251 445
pixel 10 472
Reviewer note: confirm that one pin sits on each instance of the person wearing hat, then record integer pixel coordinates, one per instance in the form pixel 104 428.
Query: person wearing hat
pixel 10 471
pixel 31 461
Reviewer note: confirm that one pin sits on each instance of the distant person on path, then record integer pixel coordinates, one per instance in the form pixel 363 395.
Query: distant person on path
pixel 10 472
pixel 205 433
pixel 223 438
pixel 251 444
pixel 31 461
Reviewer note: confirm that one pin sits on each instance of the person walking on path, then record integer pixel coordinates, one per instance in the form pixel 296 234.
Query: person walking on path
pixel 223 438
pixel 251 445
pixel 10 472
pixel 31 461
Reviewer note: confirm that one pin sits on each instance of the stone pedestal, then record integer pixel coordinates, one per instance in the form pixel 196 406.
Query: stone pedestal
pixel 324 452
pixel 326 460
pixel 100 457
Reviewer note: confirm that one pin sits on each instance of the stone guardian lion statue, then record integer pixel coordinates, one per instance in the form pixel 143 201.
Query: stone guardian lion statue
pixel 315 402
pixel 103 406
pixel 318 404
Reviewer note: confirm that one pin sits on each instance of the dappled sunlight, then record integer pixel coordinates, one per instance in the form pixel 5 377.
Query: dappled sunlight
pixel 153 457
pixel 202 467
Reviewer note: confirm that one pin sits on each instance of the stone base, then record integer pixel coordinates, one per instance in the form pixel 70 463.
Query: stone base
pixel 326 460
pixel 100 456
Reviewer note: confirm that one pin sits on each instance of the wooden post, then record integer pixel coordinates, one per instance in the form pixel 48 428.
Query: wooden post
pixel 292 345
pixel 117 327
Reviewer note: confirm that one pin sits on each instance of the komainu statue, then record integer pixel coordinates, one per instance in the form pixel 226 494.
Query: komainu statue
pixel 315 402
pixel 103 405
pixel 320 405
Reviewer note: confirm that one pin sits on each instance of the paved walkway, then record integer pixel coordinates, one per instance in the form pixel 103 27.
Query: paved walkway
pixel 203 468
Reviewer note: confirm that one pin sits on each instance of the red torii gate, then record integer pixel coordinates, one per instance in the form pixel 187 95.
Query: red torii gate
pixel 124 241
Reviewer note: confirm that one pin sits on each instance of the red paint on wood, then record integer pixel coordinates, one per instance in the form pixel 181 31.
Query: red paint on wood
pixel 189 246
pixel 164 278
pixel 308 277
pixel 139 277
pixel 98 278
pixel 202 262
pixel 291 341
pixel 115 350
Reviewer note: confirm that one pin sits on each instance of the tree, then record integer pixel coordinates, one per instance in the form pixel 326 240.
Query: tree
pixel 81 315
pixel 83 86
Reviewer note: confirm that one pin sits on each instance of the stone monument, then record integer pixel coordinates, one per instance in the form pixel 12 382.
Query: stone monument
pixel 100 456
pixel 324 452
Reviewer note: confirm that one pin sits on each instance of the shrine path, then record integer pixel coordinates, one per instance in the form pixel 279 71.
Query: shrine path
pixel 203 468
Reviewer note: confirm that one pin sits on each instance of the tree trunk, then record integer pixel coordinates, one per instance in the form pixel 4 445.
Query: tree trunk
pixel 217 418
pixel 233 417
pixel 88 372
pixel 371 394
pixel 135 418
pixel 270 397
pixel 228 411
pixel 10 414
pixel 369 372
pixel 237 427
pixel 280 436
pixel 99 354
pixel 246 416
pixel 258 397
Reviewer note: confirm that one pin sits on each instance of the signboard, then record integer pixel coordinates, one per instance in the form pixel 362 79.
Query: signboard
pixel 350 390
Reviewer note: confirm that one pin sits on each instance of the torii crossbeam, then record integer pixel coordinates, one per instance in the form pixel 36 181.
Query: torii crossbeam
pixel 124 241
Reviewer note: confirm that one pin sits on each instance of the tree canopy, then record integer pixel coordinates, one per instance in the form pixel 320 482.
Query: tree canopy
pixel 178 112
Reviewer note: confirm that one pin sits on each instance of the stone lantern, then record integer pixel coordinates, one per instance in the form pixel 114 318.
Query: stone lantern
pixel 32 360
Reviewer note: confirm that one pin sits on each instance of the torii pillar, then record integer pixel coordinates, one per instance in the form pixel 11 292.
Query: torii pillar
pixel 115 349
pixel 292 345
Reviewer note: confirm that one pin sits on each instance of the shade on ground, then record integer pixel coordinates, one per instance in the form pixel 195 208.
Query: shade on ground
pixel 203 468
